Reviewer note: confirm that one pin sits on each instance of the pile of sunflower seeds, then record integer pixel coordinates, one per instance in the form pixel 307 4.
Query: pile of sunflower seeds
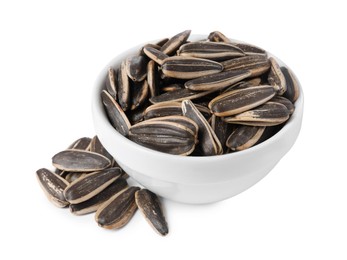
pixel 202 98
pixel 87 179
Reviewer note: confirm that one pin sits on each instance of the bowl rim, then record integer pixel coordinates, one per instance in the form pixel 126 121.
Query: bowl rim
pixel 97 106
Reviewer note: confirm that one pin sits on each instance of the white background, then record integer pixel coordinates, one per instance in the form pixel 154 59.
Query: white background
pixel 50 55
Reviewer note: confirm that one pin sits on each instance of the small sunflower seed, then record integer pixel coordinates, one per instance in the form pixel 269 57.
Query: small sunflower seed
pixel 153 78
pixel 97 147
pixel 175 42
pixel 276 77
pixel 217 51
pixel 162 42
pixel 172 87
pixel 88 186
pixel 189 68
pixel 249 49
pixel 118 210
pixel 123 90
pixel 208 141
pixel 222 130
pixel 81 144
pixel 115 114
pixel 179 95
pixel 217 81
pixel 164 136
pixel 80 161
pixel 139 95
pixel 95 202
pixel 257 64
pixel 284 101
pixel 292 84
pixel 155 55
pixel 244 137
pixel 136 68
pixel 111 82
pixel 150 206
pixel 240 100
pixel 53 185
pixel 268 114
pixel 218 37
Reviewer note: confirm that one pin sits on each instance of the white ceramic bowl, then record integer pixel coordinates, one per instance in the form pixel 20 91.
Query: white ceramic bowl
pixel 195 180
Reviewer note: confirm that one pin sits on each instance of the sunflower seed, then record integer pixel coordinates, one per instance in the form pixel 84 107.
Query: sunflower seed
pixel 53 185
pixel 136 68
pixel 240 100
pixel 81 144
pixel 179 95
pixel 244 84
pixel 136 116
pixel 111 85
pixel 164 136
pixel 123 87
pixel 189 68
pixel 244 137
pixel 80 161
pixel 217 81
pixel 88 186
pixel 155 55
pixel 222 130
pixel 152 78
pixel 139 95
pixel 172 87
pixel 175 42
pixel 115 114
pixel 182 120
pixel 284 101
pixel 292 84
pixel 257 64
pixel 249 49
pixel 118 210
pixel 218 37
pixel 208 141
pixel 217 51
pixel 72 176
pixel 95 202
pixel 97 147
pixel 268 114
pixel 276 77
pixel 150 206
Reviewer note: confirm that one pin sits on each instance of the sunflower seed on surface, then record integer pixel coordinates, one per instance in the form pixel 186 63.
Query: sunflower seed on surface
pixel 292 84
pixel 244 137
pixel 240 100
pixel 179 95
pixel 118 210
pixel 284 101
pixel 268 114
pixel 123 90
pixel 111 82
pixel 189 68
pixel 116 115
pixel 175 42
pixel 136 67
pixel 140 91
pixel 161 42
pixel 53 186
pixel 218 37
pixel 88 186
pixel 257 64
pixel 164 136
pixel 81 144
pixel 217 81
pixel 72 176
pixel 222 130
pixel 250 49
pixel 152 78
pixel 276 77
pixel 155 55
pixel 150 206
pixel 95 202
pixel 208 141
pixel 172 87
pixel 97 147
pixel 182 120
pixel 217 51
pixel 80 161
